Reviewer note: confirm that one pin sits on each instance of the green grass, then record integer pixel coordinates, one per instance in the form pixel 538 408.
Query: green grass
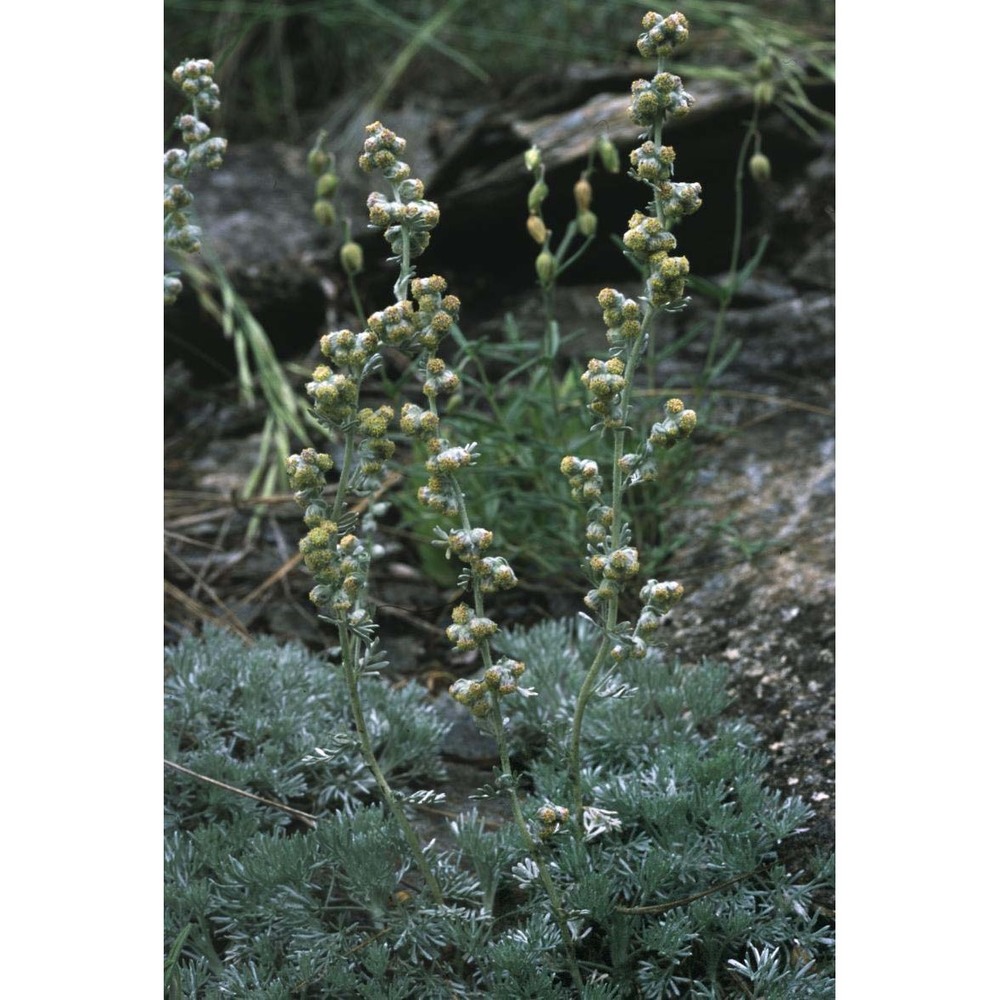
pixel 282 64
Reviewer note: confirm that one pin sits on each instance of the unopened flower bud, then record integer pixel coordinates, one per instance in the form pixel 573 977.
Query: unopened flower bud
pixel 608 153
pixel 587 223
pixel 352 258
pixel 536 229
pixel 545 267
pixel 760 168
pixel 583 193
pixel 326 184
pixel 536 196
pixel 319 161
pixel 172 287
pixel 325 213
pixel 763 92
pixel 765 66
pixel 175 163
pixel 533 158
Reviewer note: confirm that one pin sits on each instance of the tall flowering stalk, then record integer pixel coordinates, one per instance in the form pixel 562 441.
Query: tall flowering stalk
pixel 203 151
pixel 612 561
pixel 338 548
pixel 420 328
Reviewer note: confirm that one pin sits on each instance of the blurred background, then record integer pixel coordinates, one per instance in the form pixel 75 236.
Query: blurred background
pixel 282 66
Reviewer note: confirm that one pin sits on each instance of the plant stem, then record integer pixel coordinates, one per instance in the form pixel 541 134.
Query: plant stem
pixel 496 721
pixel 610 618
pixel 734 254
pixel 496 718
pixel 551 345
pixel 340 497
pixel 352 668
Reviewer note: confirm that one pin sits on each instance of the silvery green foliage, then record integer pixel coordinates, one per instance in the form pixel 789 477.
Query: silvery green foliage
pixel 261 905
pixel 244 716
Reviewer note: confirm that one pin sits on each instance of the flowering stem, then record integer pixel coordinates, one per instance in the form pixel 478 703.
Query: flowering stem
pixel 611 613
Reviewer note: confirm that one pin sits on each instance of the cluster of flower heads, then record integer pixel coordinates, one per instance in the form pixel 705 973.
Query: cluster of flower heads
pixel 654 99
pixel 491 573
pixel 609 564
pixel 605 381
pixel 648 240
pixel 658 598
pixel 550 818
pixel 422 315
pixel 643 465
pixel 661 35
pixel 194 77
pixel 499 680
pixel 407 216
pixel 335 403
pixel 655 166
pixel 613 564
pixel 421 327
pixel 338 562
pixel 622 316
pixel 612 561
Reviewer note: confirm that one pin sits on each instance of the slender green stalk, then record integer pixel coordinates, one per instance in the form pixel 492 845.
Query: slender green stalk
pixel 551 345
pixel 347 466
pixel 729 289
pixel 510 783
pixel 555 899
pixel 352 284
pixel 353 669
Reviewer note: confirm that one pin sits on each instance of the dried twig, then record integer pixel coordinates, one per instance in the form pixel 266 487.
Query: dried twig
pixel 306 818
pixel 663 907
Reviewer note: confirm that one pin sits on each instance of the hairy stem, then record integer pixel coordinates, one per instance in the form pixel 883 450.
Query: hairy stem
pixel 610 618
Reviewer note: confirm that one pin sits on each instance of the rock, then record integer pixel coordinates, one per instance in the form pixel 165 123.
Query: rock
pixel 256 211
